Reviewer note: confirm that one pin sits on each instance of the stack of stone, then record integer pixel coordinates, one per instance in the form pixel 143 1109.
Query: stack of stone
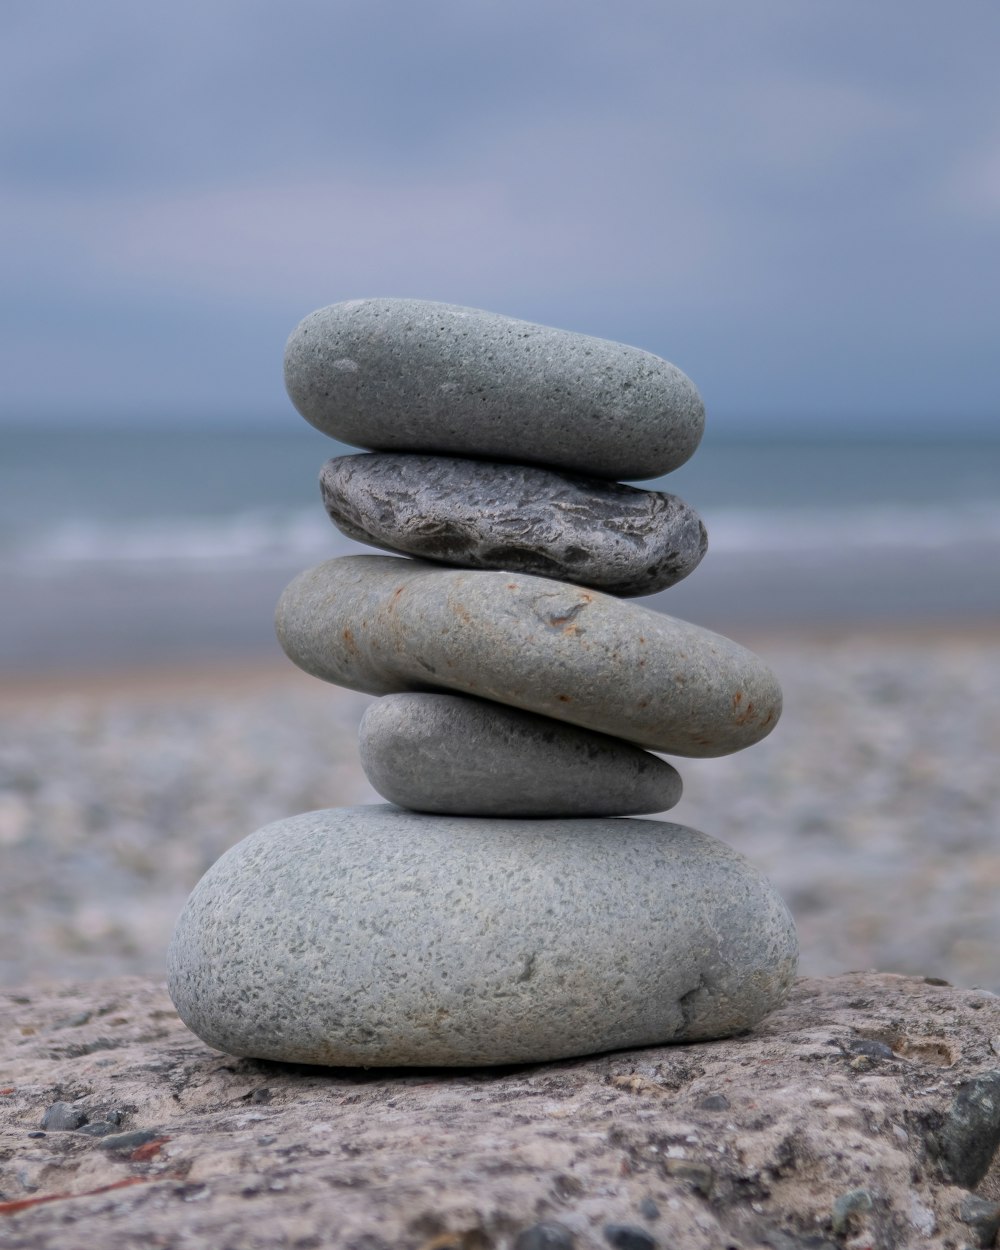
pixel 501 911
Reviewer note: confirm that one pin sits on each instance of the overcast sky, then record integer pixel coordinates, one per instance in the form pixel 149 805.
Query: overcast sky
pixel 797 201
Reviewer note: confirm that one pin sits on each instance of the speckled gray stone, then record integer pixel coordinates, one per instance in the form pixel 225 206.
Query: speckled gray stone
pixel 386 625
pixel 466 757
pixel 484 515
pixel 373 936
pixel 63 1117
pixel 413 375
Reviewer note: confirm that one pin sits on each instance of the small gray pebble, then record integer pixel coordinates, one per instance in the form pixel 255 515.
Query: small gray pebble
pixel 475 514
pixel 74 1021
pixel 414 375
pixel 854 1202
pixel 548 1236
pixel 129 1141
pixel 61 1117
pixel 628 1237
pixel 649 1210
pixel 983 1216
pixel 866 1046
pixel 714 1102
pixel 98 1128
pixel 970 1135
pixel 466 757
pixel 494 941
pixel 36 1133
pixel 779 1239
pixel 385 625
pixel 699 1176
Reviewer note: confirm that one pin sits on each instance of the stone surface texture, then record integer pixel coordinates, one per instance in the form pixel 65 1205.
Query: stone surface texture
pixel 467 757
pixel 384 625
pixel 481 515
pixel 820 1129
pixel 374 936
pixel 414 375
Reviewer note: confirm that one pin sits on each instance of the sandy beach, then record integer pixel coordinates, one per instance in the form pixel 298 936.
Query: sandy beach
pixel 874 806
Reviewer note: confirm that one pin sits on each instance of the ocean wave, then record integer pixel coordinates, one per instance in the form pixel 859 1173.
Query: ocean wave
pixel 244 537
pixel 897 526
pixel 304 535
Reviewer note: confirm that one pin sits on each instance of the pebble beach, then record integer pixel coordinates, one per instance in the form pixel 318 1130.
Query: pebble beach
pixel 874 806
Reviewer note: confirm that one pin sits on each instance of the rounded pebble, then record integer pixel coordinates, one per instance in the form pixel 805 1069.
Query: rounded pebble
pixel 376 937
pixel 385 625
pixel 477 514
pixel 466 757
pixel 628 1237
pixel 547 1236
pixel 414 375
pixel 63 1117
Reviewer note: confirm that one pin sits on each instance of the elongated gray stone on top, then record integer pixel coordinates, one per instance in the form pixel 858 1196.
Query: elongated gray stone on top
pixel 373 936
pixel 414 375
pixel 386 625
pixel 466 757
pixel 484 515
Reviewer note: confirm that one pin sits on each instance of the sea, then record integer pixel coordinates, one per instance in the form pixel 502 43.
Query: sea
pixel 164 545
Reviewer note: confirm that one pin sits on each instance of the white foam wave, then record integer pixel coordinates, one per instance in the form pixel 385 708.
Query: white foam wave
pixel 277 537
pixel 239 538
pixel 899 527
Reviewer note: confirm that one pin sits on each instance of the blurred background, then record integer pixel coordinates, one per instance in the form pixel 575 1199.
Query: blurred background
pixel 797 204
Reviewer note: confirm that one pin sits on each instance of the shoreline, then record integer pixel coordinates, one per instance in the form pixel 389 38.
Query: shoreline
pixel 178 678
pixel 137 617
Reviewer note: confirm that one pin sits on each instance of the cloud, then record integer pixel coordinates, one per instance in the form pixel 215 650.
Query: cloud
pixel 744 186
pixel 972 188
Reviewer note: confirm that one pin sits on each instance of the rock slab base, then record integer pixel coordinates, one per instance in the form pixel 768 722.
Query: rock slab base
pixel 823 1127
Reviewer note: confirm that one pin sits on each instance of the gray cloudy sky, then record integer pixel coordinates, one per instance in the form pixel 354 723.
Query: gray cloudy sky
pixel 798 201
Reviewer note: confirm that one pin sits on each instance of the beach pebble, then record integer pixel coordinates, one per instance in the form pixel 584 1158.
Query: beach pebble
pixel 466 757
pixel 374 936
pixel 414 375
pixel 477 514
pixel 384 625
pixel 628 1237
pixel 63 1117
pixel 547 1236
pixel 969 1138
